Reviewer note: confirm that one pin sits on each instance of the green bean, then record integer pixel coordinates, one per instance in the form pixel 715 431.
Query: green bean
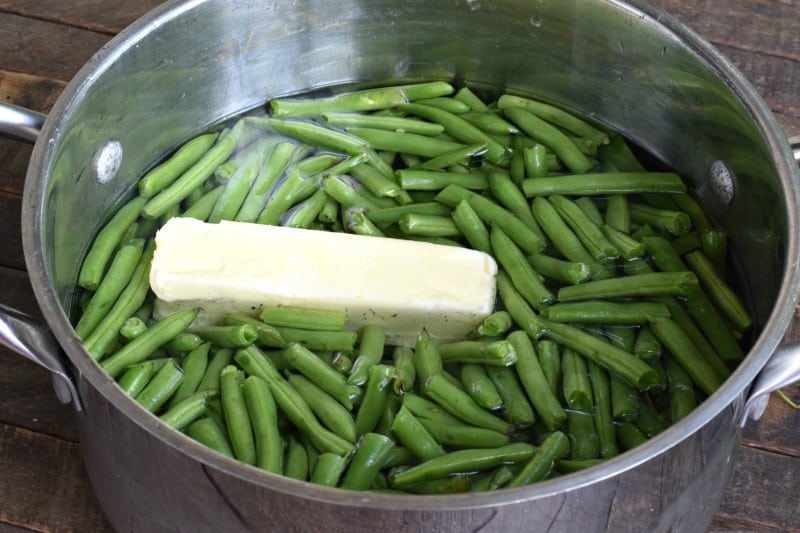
pixel 628 247
pixel 624 400
pixel 201 209
pixel 363 100
pixel 555 446
pixel 389 215
pixel 376 393
pixel 604 184
pixel 400 124
pixel 456 484
pixel 159 389
pixel 649 421
pixel 460 129
pixel 687 354
pixel 295 464
pixel 516 407
pixel 183 342
pixel 719 291
pixel 112 284
pixel 460 435
pixel 584 443
pixel 555 116
pixel 192 177
pixel 343 190
pixel 647 345
pixel 459 404
pixel 319 340
pixel 551 137
pixel 446 103
pixel 357 221
pixel 165 173
pixel 535 162
pixel 194 367
pixel 548 356
pixel 329 214
pixel 370 352
pixel 462 461
pixel 485 352
pixel 480 388
pixel 302 318
pixel 673 222
pixel 682 398
pixel 403 362
pixel 629 435
pixel 493 214
pixel 267 335
pixel 143 346
pixel 377 182
pixel 322 374
pixel 279 159
pixel 328 410
pixel 430 89
pixel 412 179
pixel 425 409
pixel 237 418
pixel 577 388
pixel 511 197
pixel 495 324
pixel 603 312
pixel 642 285
pixel 602 416
pixel 715 245
pixel 328 469
pixel 342 362
pixel 219 360
pixel 411 433
pixel 403 142
pixel 314 134
pixel 186 411
pixel 371 453
pixel 590 209
pixel 295 188
pixel 303 214
pixel 427 360
pixel 590 235
pixel 230 336
pixel 136 376
pixel 240 183
pixel 263 415
pixel 106 242
pixel 207 432
pixel 617 154
pixel 560 234
pixel 296 409
pixel 461 157
pixel 618 216
pixel 686 243
pixel 471 226
pixel 132 328
pixel 428 225
pixel 560 270
pixel 519 270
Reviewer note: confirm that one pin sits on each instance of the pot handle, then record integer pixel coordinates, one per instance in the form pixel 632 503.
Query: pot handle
pixel 783 368
pixel 20 123
pixel 32 339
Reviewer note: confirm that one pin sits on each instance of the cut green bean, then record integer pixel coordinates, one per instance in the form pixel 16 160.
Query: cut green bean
pixel 186 411
pixel 428 225
pixel 207 432
pixel 459 404
pixel 683 399
pixel 548 355
pixel 590 235
pixel 371 453
pixel 319 340
pixel 556 116
pixel 560 270
pixel 647 345
pixel 237 418
pixel 301 318
pixel 295 464
pixel 519 270
pixel 165 173
pixel 263 414
pixel 515 405
pixel 471 226
pixel 94 264
pixel 194 367
pixel 376 393
pixel 398 124
pixel 674 222
pixel 560 234
pixel 132 328
pixel 412 434
pixel 143 346
pixel 404 143
pixel 328 410
pixel 231 336
pixel 313 134
pixel 412 179
pixel 577 387
pixel 719 291
pixel 483 352
pixel 605 184
pixel 462 461
pixel 555 446
pixel 642 285
pixel 604 312
pixel 480 388
pixel 159 390
pixel 603 415
pixel 328 469
pixel 322 374
pixel 629 247
pixel 364 100
pixel 370 352
pixel 495 324
pixel 137 376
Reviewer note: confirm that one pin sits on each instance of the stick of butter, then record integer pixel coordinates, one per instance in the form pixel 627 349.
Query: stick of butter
pixel 238 267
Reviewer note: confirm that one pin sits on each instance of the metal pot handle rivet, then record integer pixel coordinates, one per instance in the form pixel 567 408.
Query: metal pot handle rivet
pixel 33 340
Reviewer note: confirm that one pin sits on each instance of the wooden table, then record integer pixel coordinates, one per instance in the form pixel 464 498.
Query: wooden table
pixel 43 485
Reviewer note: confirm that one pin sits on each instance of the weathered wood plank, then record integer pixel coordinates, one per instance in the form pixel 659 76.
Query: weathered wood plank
pixel 94 15
pixel 44 484
pixel 32 92
pixel 59 56
pixel 762 494
pixel 10 234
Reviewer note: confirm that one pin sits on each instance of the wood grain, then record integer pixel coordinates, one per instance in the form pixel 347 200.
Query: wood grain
pixel 11 238
pixel 90 14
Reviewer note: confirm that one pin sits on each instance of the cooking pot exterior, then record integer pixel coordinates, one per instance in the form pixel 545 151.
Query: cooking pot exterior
pixel 190 64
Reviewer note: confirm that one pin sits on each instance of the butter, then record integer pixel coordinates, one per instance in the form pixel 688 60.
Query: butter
pixel 238 267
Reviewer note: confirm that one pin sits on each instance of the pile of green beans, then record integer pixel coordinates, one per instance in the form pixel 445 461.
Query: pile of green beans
pixel 614 318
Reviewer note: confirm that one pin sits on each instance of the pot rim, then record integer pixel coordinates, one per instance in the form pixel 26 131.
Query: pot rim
pixel 731 393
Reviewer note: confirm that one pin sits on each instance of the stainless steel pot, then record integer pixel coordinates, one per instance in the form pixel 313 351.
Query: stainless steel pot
pixel 189 64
